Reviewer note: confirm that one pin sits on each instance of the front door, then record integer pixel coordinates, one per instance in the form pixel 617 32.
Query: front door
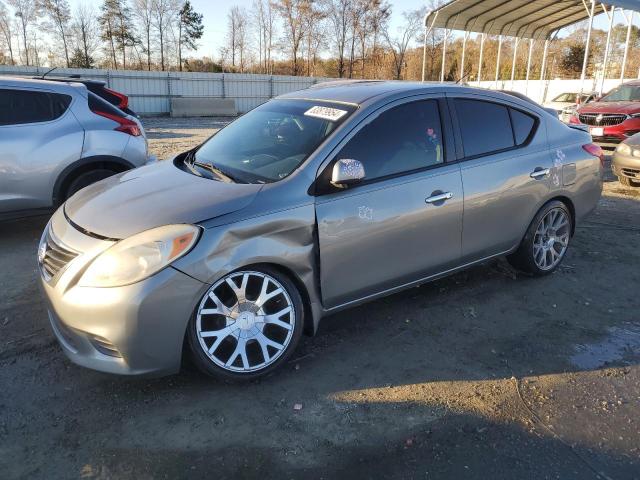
pixel 404 221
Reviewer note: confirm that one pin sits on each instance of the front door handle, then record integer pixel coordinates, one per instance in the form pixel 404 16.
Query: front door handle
pixel 441 197
pixel 539 173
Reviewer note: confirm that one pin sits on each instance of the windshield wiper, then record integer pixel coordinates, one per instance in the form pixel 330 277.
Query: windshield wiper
pixel 217 171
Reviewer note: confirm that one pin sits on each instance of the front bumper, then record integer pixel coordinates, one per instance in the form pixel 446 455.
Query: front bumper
pixel 132 330
pixel 612 135
pixel 625 166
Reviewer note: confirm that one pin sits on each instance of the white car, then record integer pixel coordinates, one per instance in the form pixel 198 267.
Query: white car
pixel 565 103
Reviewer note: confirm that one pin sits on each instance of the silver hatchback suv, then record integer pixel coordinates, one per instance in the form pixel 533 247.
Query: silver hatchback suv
pixel 56 138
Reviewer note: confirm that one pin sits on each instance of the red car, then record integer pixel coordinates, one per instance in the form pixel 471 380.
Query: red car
pixel 614 117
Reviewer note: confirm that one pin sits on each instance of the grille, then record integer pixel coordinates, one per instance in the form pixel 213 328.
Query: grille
pixel 606 119
pixel 55 256
pixel 104 346
pixel 631 172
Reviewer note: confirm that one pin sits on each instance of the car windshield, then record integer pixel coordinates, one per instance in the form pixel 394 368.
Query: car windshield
pixel 624 93
pixel 566 97
pixel 270 142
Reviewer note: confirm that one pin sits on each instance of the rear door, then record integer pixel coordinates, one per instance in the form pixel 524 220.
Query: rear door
pixel 38 136
pixel 403 222
pixel 506 170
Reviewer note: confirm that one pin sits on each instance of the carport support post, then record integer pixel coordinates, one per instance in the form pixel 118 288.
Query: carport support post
pixel 444 54
pixel 498 60
pixel 544 58
pixel 464 48
pixel 480 63
pixel 513 62
pixel 585 61
pixel 612 14
pixel 526 87
pixel 427 30
pixel 626 45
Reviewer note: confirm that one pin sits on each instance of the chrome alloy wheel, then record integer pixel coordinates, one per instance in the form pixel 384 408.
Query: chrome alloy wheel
pixel 551 239
pixel 245 321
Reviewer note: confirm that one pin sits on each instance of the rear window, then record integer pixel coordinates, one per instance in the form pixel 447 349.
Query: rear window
pixel 488 127
pixel 97 104
pixel 27 106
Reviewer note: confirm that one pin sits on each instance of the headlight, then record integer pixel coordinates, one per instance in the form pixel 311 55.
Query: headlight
pixel 140 256
pixel 636 152
pixel 624 149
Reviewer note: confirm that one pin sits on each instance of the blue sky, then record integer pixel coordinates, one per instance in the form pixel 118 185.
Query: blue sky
pixel 215 18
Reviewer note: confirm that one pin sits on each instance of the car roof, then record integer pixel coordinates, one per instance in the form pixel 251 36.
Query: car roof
pixel 357 92
pixel 60 87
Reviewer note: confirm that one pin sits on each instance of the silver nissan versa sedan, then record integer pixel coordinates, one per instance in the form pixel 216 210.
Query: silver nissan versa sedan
pixel 311 203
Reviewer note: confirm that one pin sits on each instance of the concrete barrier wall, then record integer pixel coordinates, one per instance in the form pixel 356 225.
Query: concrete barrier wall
pixel 203 107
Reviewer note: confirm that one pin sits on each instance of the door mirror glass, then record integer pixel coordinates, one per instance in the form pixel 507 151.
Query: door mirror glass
pixel 347 171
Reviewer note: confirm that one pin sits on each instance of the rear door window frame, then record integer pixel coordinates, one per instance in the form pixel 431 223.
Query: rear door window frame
pixel 458 132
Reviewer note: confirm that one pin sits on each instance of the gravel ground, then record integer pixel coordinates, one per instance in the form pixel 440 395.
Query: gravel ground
pixel 485 374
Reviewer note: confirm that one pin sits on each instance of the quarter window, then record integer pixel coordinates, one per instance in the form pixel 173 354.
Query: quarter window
pixel 522 125
pixel 402 139
pixel 24 106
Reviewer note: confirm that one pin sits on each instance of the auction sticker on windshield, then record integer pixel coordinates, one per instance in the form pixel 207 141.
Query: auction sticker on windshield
pixel 326 113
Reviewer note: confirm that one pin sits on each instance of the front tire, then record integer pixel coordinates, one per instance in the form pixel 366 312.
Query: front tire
pixel 247 325
pixel 546 241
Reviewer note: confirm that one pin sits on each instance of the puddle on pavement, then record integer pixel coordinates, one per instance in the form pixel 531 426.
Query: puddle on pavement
pixel 620 343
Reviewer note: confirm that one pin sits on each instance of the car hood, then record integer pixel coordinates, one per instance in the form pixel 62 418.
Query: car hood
pixel 610 107
pixel 151 196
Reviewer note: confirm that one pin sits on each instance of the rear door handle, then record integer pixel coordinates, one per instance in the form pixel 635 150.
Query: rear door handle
pixel 441 197
pixel 539 173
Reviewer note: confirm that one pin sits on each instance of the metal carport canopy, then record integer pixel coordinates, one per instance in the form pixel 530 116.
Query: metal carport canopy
pixel 536 19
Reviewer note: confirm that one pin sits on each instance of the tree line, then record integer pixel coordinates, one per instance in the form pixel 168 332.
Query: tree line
pixel 126 34
pixel 324 38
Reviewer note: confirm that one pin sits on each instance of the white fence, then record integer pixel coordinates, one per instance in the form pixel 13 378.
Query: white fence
pixel 546 90
pixel 150 92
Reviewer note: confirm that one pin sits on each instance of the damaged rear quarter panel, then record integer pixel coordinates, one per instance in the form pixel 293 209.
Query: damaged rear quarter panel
pixel 285 239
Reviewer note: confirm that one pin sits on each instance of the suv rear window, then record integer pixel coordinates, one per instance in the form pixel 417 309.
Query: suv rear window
pixel 28 106
pixel 488 127
pixel 98 104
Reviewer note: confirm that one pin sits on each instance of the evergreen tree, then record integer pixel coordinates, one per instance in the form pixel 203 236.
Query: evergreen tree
pixel 190 29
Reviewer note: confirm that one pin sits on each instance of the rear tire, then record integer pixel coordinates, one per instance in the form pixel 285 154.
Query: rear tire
pixel 85 179
pixel 546 242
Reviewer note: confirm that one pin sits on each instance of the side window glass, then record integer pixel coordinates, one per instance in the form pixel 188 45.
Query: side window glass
pixel 485 126
pixel 402 139
pixel 522 125
pixel 23 106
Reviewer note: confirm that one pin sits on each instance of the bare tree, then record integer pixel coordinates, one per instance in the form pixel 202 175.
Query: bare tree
pixel 164 13
pixel 85 32
pixel 338 12
pixel 294 14
pixel 399 43
pixel 237 37
pixel 143 11
pixel 6 30
pixel 27 13
pixel 59 14
pixel 264 19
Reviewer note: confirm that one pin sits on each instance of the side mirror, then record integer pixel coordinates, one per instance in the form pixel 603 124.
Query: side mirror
pixel 347 171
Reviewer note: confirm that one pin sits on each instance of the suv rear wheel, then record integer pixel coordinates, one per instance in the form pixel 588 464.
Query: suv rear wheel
pixel 87 178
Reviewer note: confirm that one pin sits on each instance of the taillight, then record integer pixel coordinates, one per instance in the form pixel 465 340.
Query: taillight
pixel 124 124
pixel 596 151
pixel 124 100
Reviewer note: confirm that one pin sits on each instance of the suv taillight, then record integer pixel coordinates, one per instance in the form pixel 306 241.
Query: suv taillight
pixel 124 124
pixel 124 100
pixel 596 151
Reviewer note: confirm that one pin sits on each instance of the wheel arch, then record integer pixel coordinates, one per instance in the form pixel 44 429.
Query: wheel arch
pixel 72 171
pixel 569 204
